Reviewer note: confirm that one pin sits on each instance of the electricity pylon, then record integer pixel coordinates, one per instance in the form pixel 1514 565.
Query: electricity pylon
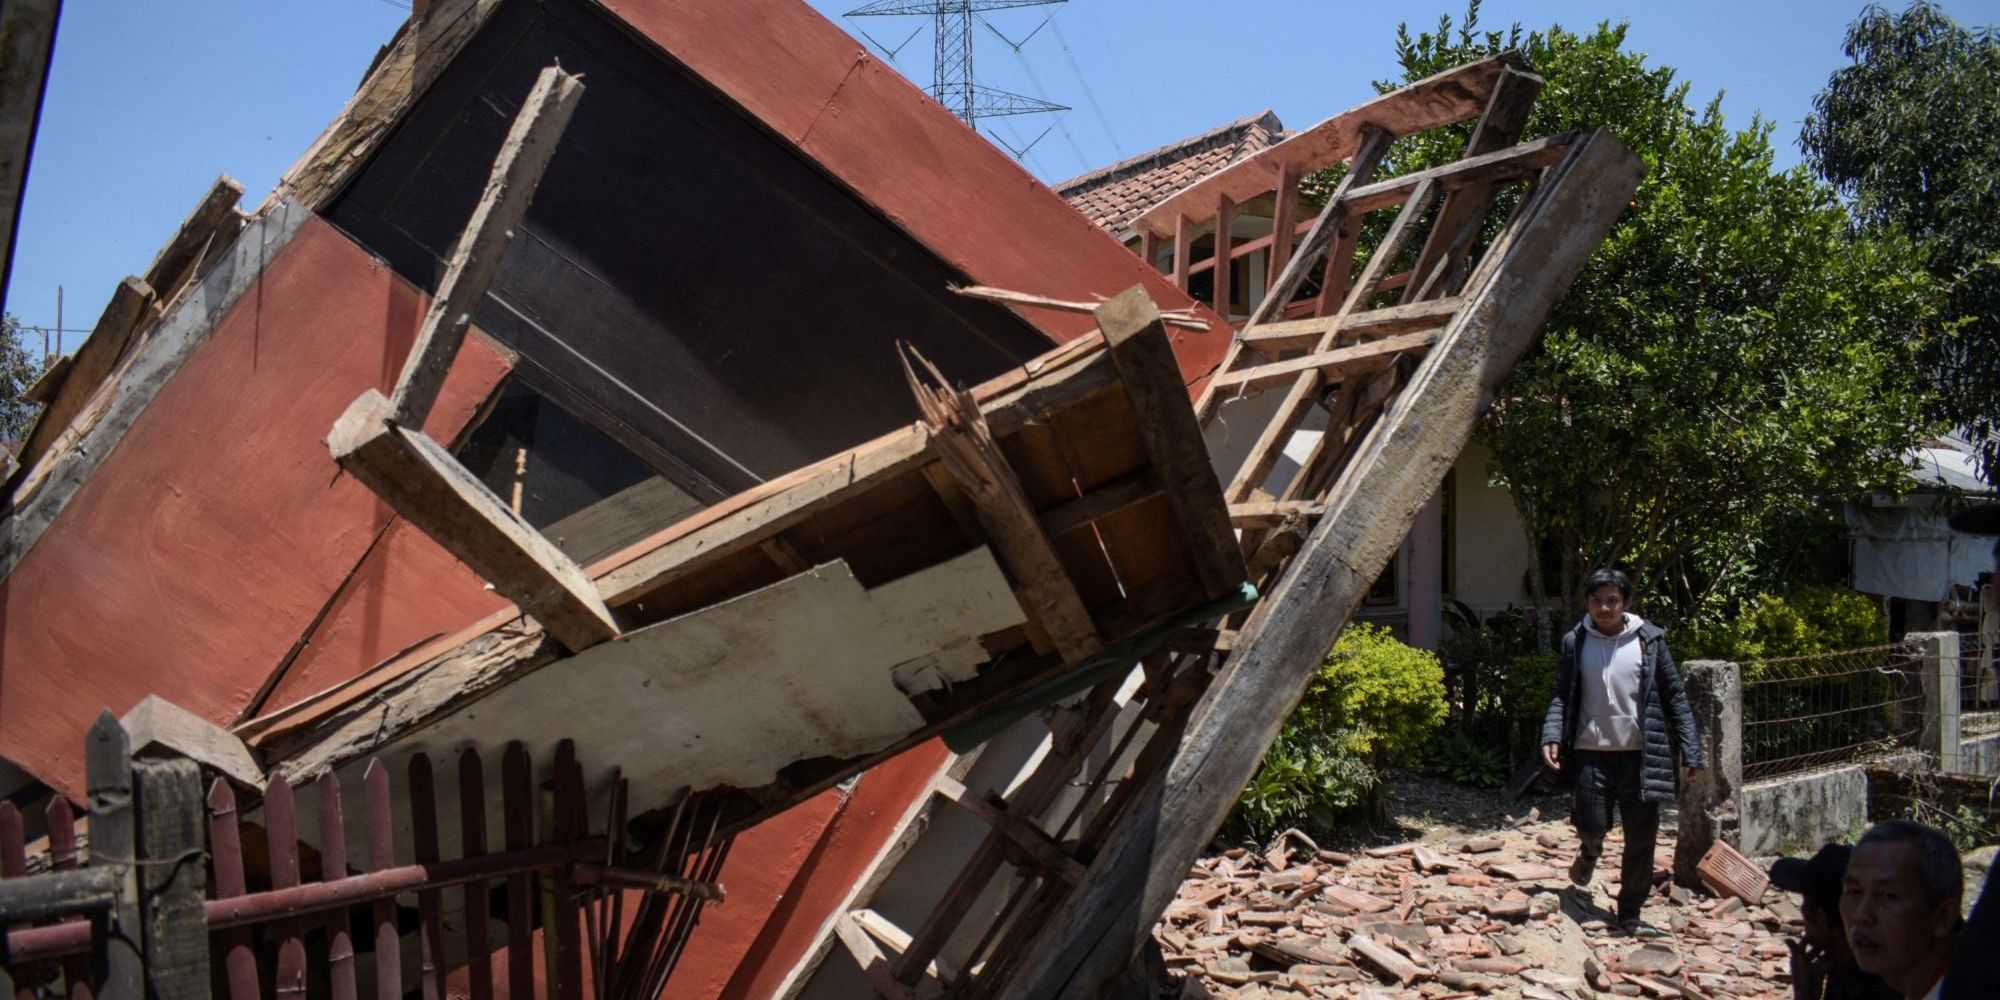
pixel 952 83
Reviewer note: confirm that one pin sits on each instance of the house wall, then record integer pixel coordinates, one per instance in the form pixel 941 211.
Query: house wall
pixel 211 538
pixel 1490 557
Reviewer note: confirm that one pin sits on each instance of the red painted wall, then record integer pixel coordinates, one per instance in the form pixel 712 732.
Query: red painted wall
pixel 209 539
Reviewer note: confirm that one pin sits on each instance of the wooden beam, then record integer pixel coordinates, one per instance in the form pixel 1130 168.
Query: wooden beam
pixel 1145 362
pixel 414 59
pixel 159 728
pixel 896 939
pixel 1449 97
pixel 1270 444
pixel 1183 238
pixel 1269 513
pixel 473 262
pixel 1284 213
pixel 28 29
pixel 1100 502
pixel 1509 164
pixel 1306 334
pixel 426 485
pixel 1039 847
pixel 213 223
pixel 1499 127
pixel 1225 218
pixel 869 956
pixel 128 311
pixel 171 891
pixel 1088 941
pixel 1332 365
pixel 966 447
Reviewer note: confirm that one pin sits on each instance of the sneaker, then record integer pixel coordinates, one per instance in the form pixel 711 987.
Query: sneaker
pixel 1636 928
pixel 1580 870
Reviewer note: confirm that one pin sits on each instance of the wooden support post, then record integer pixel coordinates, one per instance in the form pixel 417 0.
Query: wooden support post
pixel 1284 212
pixel 1087 941
pixel 1145 362
pixel 1183 238
pixel 1225 218
pixel 425 484
pixel 119 967
pixel 173 878
pixel 1149 249
pixel 468 274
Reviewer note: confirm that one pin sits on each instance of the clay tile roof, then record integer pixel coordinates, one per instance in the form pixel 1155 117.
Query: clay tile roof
pixel 1113 196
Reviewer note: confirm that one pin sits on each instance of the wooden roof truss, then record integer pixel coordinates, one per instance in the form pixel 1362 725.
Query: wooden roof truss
pixel 1403 349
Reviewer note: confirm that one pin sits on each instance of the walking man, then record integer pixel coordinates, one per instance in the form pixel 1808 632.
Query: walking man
pixel 1617 721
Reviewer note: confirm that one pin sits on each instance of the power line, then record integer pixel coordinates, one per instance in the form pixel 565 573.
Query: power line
pixel 1040 90
pixel 1087 94
pixel 952 81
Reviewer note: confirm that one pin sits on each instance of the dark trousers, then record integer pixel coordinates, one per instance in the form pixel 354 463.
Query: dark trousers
pixel 1605 779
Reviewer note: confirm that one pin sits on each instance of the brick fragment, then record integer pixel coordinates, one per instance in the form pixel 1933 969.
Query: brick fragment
pixel 1490 966
pixel 1470 982
pixel 1386 959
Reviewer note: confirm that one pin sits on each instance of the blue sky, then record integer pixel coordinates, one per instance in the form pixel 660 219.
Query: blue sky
pixel 149 101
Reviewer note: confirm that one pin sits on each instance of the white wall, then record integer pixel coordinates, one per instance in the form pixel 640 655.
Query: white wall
pixel 1490 556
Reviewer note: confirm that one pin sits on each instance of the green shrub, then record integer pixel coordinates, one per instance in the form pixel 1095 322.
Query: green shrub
pixel 1385 695
pixel 1811 620
pixel 1307 781
pixel 1374 699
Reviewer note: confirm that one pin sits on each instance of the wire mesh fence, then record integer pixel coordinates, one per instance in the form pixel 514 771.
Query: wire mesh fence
pixel 1978 685
pixel 1807 712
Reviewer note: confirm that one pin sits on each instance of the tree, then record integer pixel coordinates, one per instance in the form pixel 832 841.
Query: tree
pixel 18 370
pixel 1910 133
pixel 1733 363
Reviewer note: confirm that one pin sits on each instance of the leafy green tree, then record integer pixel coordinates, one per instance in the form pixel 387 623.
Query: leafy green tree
pixel 1910 133
pixel 19 368
pixel 1733 363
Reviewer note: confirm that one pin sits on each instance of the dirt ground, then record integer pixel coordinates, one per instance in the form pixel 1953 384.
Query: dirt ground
pixel 1463 896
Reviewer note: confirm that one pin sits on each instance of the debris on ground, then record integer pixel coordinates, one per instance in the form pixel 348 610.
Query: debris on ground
pixel 1453 917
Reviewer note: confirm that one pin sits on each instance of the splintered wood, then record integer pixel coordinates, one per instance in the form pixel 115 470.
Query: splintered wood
pixel 1476 916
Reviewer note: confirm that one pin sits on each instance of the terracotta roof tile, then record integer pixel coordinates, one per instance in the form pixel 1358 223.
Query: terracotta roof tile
pixel 1113 196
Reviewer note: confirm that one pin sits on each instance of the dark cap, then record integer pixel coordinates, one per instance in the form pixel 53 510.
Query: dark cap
pixel 1817 878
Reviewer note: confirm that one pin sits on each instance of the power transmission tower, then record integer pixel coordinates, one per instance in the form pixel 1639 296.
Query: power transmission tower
pixel 952 84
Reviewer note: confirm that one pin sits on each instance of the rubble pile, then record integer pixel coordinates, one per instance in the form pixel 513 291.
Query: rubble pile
pixel 1488 915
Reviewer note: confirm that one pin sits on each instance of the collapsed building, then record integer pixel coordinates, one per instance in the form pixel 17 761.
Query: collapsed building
pixel 664 488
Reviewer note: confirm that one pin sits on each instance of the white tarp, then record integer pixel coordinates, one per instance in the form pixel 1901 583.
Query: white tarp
pixel 1910 552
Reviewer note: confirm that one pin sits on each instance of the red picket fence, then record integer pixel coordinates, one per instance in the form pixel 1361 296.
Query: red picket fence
pixel 259 920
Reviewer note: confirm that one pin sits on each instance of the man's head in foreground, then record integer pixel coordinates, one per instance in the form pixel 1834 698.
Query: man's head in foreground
pixel 1900 902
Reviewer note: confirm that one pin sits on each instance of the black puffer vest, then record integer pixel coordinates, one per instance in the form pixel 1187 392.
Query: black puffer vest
pixel 1668 721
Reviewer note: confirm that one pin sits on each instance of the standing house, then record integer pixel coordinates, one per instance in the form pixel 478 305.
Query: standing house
pixel 743 219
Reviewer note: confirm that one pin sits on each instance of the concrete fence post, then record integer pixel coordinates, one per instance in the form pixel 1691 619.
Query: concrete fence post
pixel 1939 738
pixel 1709 803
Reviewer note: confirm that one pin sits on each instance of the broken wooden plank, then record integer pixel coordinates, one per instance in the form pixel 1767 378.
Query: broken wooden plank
pixel 210 227
pixel 29 30
pixel 1331 365
pixel 869 956
pixel 426 485
pixel 1305 334
pixel 965 445
pixel 1087 941
pixel 473 262
pixel 1145 361
pixel 127 312
pixel 418 55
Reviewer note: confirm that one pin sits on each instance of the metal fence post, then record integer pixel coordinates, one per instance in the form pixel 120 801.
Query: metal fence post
pixel 1708 801
pixel 1940 738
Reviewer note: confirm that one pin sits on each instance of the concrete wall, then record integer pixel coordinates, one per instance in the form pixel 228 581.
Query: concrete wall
pixel 1490 549
pixel 1980 755
pixel 1802 811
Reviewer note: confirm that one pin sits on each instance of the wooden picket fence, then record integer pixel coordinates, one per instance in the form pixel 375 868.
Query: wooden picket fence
pixel 155 913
